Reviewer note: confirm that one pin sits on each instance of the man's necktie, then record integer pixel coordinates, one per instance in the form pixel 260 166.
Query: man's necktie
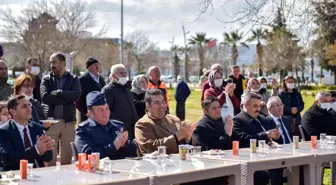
pixel 284 134
pixel 26 139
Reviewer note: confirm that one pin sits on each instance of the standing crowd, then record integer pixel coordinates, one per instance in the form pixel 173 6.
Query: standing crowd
pixel 38 116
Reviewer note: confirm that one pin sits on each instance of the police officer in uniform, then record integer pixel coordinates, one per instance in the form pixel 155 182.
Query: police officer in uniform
pixel 100 134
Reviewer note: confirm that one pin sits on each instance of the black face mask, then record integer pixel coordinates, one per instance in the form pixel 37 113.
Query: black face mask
pixel 3 80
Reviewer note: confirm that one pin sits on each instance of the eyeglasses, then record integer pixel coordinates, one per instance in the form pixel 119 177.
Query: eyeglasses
pixel 28 86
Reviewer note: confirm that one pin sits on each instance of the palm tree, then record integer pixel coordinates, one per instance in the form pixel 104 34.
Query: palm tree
pixel 186 51
pixel 200 41
pixel 234 38
pixel 175 50
pixel 258 35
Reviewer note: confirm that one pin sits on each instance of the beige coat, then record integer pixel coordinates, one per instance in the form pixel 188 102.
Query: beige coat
pixel 151 133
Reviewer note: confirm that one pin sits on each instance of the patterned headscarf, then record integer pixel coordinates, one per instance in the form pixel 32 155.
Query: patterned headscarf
pixel 136 88
pixel 211 78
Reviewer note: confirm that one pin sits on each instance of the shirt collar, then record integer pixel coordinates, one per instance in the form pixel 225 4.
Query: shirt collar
pixel 20 127
pixel 93 76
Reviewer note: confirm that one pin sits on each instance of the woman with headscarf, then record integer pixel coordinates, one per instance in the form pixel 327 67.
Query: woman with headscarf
pixel 139 88
pixel 293 103
pixel 216 89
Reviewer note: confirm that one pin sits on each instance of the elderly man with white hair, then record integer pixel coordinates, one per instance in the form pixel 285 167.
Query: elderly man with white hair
pixel 319 118
pixel 120 100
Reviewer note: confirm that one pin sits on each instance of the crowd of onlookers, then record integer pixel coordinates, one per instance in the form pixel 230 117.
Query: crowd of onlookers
pixel 38 116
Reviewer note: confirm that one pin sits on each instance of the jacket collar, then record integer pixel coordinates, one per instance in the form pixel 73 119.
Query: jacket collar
pixel 212 121
pixel 248 117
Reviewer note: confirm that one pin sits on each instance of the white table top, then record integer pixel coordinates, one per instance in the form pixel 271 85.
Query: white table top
pixel 173 165
pixel 66 175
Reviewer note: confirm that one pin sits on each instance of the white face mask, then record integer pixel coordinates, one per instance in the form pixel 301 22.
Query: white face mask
pixel 263 85
pixel 35 70
pixel 218 82
pixel 325 106
pixel 122 80
pixel 290 85
pixel 333 106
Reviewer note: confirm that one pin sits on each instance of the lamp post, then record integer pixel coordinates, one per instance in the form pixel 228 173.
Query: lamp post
pixel 185 53
pixel 122 32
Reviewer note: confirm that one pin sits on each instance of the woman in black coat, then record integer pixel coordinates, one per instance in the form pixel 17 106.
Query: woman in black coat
pixel 293 103
pixel 139 88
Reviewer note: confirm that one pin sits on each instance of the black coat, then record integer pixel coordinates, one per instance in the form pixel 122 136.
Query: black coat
pixel 36 91
pixel 71 91
pixel 12 149
pixel 292 100
pixel 120 101
pixel 272 125
pixel 37 111
pixel 210 134
pixel 88 84
pixel 92 137
pixel 248 128
pixel 316 121
pixel 139 103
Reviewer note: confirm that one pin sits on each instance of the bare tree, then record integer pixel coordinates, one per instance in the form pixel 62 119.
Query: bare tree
pixel 46 26
pixel 139 45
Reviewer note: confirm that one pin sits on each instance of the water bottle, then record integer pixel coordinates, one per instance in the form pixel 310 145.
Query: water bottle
pixel 58 162
pixel 73 161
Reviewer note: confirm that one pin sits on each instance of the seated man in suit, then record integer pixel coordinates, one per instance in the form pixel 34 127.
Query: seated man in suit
pixel 277 120
pixel 248 124
pixel 21 139
pixel 100 134
pixel 319 118
pixel 157 128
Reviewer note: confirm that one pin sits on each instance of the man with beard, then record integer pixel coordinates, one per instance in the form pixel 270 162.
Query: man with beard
pixel 6 90
pixel 59 91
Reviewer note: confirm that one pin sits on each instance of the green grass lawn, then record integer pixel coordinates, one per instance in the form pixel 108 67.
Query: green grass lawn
pixel 194 111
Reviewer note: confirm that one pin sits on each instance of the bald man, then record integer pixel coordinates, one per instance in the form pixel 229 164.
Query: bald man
pixel 6 90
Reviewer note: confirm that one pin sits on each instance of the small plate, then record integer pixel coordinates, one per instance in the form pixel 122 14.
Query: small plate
pixel 49 121
pixel 214 152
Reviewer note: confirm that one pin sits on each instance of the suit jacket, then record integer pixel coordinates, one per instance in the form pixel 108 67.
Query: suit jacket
pixel 92 137
pixel 12 148
pixel 248 128
pixel 272 125
pixel 316 121
pixel 88 84
pixel 152 132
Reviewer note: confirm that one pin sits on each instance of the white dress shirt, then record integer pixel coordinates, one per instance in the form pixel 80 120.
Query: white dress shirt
pixel 95 77
pixel 20 128
pixel 284 133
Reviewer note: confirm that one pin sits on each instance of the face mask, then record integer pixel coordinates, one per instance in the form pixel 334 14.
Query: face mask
pixel 144 88
pixel 35 70
pixel 290 85
pixel 122 80
pixel 218 82
pixel 333 106
pixel 325 106
pixel 28 97
pixel 255 90
pixel 263 85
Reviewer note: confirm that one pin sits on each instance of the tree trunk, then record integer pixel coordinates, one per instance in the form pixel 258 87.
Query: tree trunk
pixel 176 66
pixel 201 58
pixel 186 64
pixel 234 55
pixel 312 70
pixel 259 51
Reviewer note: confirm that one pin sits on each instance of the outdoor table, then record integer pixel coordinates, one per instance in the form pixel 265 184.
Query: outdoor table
pixel 176 171
pixel 263 161
pixel 67 174
pixel 322 156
